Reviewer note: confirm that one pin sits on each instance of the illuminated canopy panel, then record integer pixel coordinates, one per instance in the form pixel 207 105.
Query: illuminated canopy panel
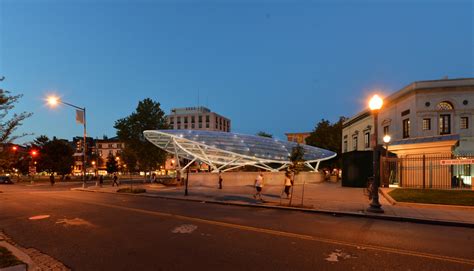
pixel 225 151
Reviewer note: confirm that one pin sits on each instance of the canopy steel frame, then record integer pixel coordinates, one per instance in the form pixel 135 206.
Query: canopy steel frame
pixel 218 159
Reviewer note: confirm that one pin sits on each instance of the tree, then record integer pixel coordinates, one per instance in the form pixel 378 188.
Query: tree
pixel 40 141
pixel 297 165
pixel 56 156
pixel 264 134
pixel 129 159
pixel 9 123
pixel 111 165
pixel 147 116
pixel 328 136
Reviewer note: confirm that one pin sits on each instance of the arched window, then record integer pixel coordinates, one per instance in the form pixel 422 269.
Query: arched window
pixel 445 106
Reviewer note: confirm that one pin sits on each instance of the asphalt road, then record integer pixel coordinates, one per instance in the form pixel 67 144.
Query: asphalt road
pixel 96 231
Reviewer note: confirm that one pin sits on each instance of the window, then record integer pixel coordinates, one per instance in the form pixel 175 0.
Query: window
pixel 200 118
pixel 192 119
pixel 200 125
pixel 185 126
pixel 426 124
pixel 185 119
pixel 444 124
pixel 207 124
pixel 100 146
pixel 354 143
pixel 111 146
pixel 464 123
pixel 445 106
pixel 171 120
pixel 179 120
pixel 386 130
pixel 367 140
pixel 207 118
pixel 345 145
pixel 192 126
pixel 406 128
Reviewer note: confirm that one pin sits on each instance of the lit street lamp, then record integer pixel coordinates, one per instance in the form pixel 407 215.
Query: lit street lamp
pixel 54 101
pixel 375 104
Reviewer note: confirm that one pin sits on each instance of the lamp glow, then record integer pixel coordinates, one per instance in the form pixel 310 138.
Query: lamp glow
pixel 386 139
pixel 53 101
pixel 375 102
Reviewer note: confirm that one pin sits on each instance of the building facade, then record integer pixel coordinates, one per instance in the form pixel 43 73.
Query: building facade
pixel 425 118
pixel 299 138
pixel 197 118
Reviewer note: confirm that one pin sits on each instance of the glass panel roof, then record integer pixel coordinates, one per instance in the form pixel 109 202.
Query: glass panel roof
pixel 223 146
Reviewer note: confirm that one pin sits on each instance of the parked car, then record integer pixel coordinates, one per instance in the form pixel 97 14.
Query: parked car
pixel 5 180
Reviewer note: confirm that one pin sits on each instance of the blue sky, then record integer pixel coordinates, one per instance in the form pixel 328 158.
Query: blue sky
pixel 276 66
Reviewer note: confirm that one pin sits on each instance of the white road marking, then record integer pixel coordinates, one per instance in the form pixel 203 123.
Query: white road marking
pixel 38 217
pixel 74 222
pixel 338 254
pixel 186 228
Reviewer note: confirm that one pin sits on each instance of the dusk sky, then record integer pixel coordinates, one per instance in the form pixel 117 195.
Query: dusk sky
pixel 275 66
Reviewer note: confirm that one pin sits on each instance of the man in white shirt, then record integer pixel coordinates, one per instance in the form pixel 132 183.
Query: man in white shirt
pixel 258 186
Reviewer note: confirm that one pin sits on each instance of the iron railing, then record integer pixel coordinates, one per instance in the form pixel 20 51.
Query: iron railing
pixel 428 171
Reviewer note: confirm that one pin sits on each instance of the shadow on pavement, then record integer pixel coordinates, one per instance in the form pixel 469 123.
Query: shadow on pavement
pixel 236 198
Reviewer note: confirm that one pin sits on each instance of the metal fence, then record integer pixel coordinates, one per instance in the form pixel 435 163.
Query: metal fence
pixel 440 171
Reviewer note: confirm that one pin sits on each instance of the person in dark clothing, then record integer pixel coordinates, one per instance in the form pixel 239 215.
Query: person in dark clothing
pixel 220 180
pixel 101 180
pixel 51 179
pixel 115 178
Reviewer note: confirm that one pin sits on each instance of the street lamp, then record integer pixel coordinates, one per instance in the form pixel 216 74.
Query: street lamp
pixel 375 104
pixel 54 101
pixel 386 139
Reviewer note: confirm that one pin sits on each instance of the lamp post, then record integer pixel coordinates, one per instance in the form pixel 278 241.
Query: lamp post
pixel 386 139
pixel 53 101
pixel 375 104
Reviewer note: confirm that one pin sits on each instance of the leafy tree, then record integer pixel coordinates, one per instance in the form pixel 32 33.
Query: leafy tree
pixel 56 156
pixel 129 159
pixel 328 136
pixel 264 134
pixel 9 123
pixel 111 165
pixel 40 141
pixel 297 164
pixel 147 116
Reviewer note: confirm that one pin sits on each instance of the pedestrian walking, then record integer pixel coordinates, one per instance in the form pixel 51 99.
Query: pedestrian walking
pixel 115 178
pixel 288 184
pixel 259 186
pixel 101 180
pixel 51 179
pixel 220 180
pixel 153 178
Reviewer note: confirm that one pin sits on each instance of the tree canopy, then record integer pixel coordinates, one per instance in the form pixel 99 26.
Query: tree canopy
pixel 147 116
pixel 264 134
pixel 9 122
pixel 111 165
pixel 328 136
pixel 55 155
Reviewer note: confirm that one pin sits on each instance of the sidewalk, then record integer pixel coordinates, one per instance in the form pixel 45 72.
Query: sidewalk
pixel 323 197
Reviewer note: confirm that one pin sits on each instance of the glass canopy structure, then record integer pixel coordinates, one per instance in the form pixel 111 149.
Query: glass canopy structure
pixel 224 151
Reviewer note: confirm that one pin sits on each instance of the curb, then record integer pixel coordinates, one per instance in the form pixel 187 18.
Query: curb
pixel 388 197
pixel 22 256
pixel 317 211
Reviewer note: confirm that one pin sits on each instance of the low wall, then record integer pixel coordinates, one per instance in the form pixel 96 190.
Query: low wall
pixel 248 178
